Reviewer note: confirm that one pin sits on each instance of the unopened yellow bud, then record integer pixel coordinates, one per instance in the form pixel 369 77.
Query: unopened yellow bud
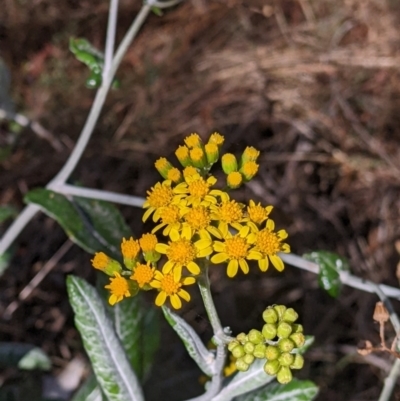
pixel 211 152
pixel 182 154
pixel 234 180
pixel 148 244
pixel 198 157
pixel 250 154
pixel 271 367
pixel 104 263
pixel 216 138
pixel 130 250
pixel 249 170
pixel 189 171
pixel 229 163
pixel 174 175
pixel 193 140
pixel 284 375
pixel 163 166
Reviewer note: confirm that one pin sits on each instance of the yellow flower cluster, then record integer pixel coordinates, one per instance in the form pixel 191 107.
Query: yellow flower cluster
pixel 200 223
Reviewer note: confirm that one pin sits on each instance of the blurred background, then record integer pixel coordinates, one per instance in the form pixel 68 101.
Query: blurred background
pixel 315 85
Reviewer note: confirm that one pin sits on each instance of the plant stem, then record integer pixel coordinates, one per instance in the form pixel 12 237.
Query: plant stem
pixel 205 291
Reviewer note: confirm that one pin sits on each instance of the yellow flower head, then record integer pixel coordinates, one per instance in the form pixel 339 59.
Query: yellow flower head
pixel 182 252
pixel 169 286
pixel 198 220
pixel 119 289
pixel 196 190
pixel 160 195
pixel 193 141
pixel 104 263
pixel 143 274
pixel 216 138
pixel 268 243
pixel 189 170
pixel 170 218
pixel 130 248
pixel 228 212
pixel 236 251
pixel 148 244
pixel 257 213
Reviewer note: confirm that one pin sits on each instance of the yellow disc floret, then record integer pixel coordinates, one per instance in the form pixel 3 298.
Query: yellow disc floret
pixel 160 195
pixel 119 289
pixel 249 170
pixel 170 286
pixel 148 242
pixel 174 175
pixel 100 260
pixel 216 138
pixel 143 274
pixel 257 213
pixel 130 248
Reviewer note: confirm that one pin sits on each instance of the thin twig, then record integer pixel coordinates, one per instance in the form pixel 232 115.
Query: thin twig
pixel 99 194
pixel 37 128
pixel 390 382
pixel 43 272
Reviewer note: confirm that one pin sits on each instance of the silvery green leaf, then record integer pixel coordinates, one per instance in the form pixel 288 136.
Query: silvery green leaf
pixel 109 361
pixel 89 391
pixel 296 390
pixel 193 344
pixel 137 328
pixel 244 382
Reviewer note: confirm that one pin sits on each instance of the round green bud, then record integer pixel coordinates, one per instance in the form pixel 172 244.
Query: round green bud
pixel 286 359
pixel 255 336
pixel 248 347
pixel 259 351
pixel 272 352
pixel 271 367
pixel 297 328
pixel 284 330
pixel 280 310
pixel 238 351
pixel 290 315
pixel 229 163
pixel 242 337
pixel 248 358
pixel 232 345
pixel 286 345
pixel 284 375
pixel 298 362
pixel 270 316
pixel 241 365
pixel 298 339
pixel 269 331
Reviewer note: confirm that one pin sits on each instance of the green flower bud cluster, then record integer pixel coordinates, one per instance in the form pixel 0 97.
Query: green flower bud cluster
pixel 277 342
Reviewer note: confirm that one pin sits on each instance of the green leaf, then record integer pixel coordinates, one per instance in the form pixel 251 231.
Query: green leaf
pixel 137 328
pixel 23 356
pixel 109 361
pixel 244 382
pixel 93 225
pixel 89 391
pixel 86 53
pixel 330 265
pixel 157 11
pixel 296 390
pixel 7 212
pixel 193 344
